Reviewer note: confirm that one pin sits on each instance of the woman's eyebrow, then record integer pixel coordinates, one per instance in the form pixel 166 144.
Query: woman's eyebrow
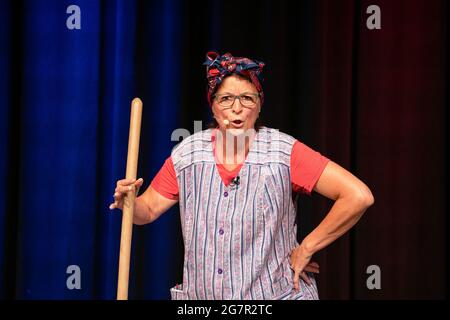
pixel 246 92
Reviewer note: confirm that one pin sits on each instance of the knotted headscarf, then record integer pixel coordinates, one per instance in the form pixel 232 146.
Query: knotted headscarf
pixel 218 67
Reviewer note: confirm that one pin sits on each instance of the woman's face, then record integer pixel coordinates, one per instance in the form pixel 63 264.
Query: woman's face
pixel 241 117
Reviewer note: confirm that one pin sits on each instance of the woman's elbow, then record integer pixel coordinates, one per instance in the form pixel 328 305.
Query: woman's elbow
pixel 364 197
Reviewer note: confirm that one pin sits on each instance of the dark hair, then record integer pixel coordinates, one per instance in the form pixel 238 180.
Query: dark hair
pixel 213 124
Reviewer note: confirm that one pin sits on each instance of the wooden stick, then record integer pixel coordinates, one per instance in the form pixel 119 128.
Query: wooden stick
pixel 128 205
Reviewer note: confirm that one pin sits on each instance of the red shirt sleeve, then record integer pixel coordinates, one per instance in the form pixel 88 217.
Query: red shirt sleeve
pixel 165 182
pixel 306 167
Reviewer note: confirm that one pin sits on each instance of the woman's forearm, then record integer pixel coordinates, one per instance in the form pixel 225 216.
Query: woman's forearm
pixel 150 205
pixel 344 214
pixel 142 213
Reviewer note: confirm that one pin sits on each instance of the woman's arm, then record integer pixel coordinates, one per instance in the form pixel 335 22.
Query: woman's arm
pixel 150 205
pixel 147 207
pixel 352 198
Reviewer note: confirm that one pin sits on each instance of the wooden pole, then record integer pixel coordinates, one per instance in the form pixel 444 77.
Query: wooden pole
pixel 128 205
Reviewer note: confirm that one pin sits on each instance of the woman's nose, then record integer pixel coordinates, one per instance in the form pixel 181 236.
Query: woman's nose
pixel 237 107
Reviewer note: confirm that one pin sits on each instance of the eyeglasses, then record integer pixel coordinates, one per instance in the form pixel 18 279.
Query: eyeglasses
pixel 226 100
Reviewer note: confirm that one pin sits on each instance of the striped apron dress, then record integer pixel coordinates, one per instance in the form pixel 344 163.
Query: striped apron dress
pixel 238 238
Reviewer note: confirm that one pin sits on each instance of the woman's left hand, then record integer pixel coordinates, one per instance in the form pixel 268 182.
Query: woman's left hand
pixel 299 260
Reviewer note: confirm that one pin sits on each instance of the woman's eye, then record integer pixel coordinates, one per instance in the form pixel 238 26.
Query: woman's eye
pixel 249 99
pixel 225 98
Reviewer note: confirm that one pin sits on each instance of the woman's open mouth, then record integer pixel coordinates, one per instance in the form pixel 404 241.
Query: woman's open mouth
pixel 237 123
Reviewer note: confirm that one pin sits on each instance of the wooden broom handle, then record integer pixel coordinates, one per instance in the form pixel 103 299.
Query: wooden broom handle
pixel 128 204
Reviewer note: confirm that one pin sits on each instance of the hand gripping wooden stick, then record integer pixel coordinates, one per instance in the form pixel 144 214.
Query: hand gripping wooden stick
pixel 128 204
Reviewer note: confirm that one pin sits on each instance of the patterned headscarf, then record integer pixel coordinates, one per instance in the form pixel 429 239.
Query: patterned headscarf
pixel 217 67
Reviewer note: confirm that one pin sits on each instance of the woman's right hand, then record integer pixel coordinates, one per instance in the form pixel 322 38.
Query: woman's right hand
pixel 123 186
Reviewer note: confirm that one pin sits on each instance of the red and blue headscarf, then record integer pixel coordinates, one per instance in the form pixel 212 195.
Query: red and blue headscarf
pixel 218 67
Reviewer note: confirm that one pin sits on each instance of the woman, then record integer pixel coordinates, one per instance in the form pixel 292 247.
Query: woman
pixel 237 185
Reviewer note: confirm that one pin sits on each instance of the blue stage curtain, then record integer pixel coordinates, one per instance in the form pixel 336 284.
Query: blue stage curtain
pixel 5 101
pixel 75 91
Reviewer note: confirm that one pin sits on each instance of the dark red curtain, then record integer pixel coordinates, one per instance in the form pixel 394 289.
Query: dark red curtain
pixel 400 149
pixel 379 110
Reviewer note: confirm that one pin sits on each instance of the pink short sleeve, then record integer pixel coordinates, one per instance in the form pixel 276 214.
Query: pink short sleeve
pixel 306 167
pixel 165 182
